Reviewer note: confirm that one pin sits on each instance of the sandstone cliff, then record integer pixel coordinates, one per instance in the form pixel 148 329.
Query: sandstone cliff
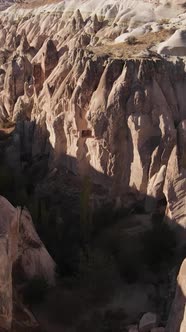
pixel 19 243
pixel 98 109
pixel 117 121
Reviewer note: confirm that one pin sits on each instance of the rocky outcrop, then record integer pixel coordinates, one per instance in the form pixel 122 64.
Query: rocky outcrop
pixel 148 322
pixel 177 319
pixel 127 101
pixel 33 256
pixel 175 45
pixel 47 57
pixel 18 72
pixel 118 121
pixel 155 189
pixel 175 194
pixel 19 242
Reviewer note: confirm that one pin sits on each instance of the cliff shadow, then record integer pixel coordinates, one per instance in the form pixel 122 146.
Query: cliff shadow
pixel 79 223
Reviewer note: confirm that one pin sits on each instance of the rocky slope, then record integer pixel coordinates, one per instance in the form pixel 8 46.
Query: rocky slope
pixel 100 109
pixel 20 243
pixel 85 104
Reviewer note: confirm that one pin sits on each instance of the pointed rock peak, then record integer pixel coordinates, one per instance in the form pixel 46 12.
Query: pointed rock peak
pixel 78 19
pixel 24 45
pixel 78 15
pixel 50 46
pixel 96 24
pixel 95 19
pixel 23 33
pixel 49 57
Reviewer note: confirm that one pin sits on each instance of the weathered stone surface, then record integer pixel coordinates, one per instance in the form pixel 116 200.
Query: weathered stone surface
pixel 148 321
pixel 9 233
pixel 175 45
pixel 119 121
pixel 18 72
pixel 19 240
pixel 84 106
pixel 177 317
pixel 174 190
pixel 47 57
pixel 155 189
pixel 33 256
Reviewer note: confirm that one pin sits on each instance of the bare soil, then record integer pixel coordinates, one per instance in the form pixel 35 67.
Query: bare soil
pixel 124 50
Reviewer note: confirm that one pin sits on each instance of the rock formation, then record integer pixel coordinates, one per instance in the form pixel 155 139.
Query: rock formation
pixel 175 45
pixel 19 242
pixel 78 88
pixel 87 102
pixel 176 321
pixel 148 322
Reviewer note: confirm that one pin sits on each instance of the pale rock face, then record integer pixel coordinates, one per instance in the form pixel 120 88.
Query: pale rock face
pixel 3 37
pixel 175 45
pixel 112 119
pixel 117 121
pixel 18 72
pixel 23 43
pixel 19 240
pixel 121 122
pixel 34 258
pixel 24 242
pixel 155 189
pixel 23 107
pixel 174 191
pixel 50 58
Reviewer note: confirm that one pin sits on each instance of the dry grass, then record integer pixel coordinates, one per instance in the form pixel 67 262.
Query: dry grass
pixel 124 50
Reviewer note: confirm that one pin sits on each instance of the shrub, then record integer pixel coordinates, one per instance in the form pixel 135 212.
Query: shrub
pixel 164 21
pixel 131 40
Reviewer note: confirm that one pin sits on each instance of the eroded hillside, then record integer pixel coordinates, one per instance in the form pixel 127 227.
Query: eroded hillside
pixel 114 119
pixel 92 141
